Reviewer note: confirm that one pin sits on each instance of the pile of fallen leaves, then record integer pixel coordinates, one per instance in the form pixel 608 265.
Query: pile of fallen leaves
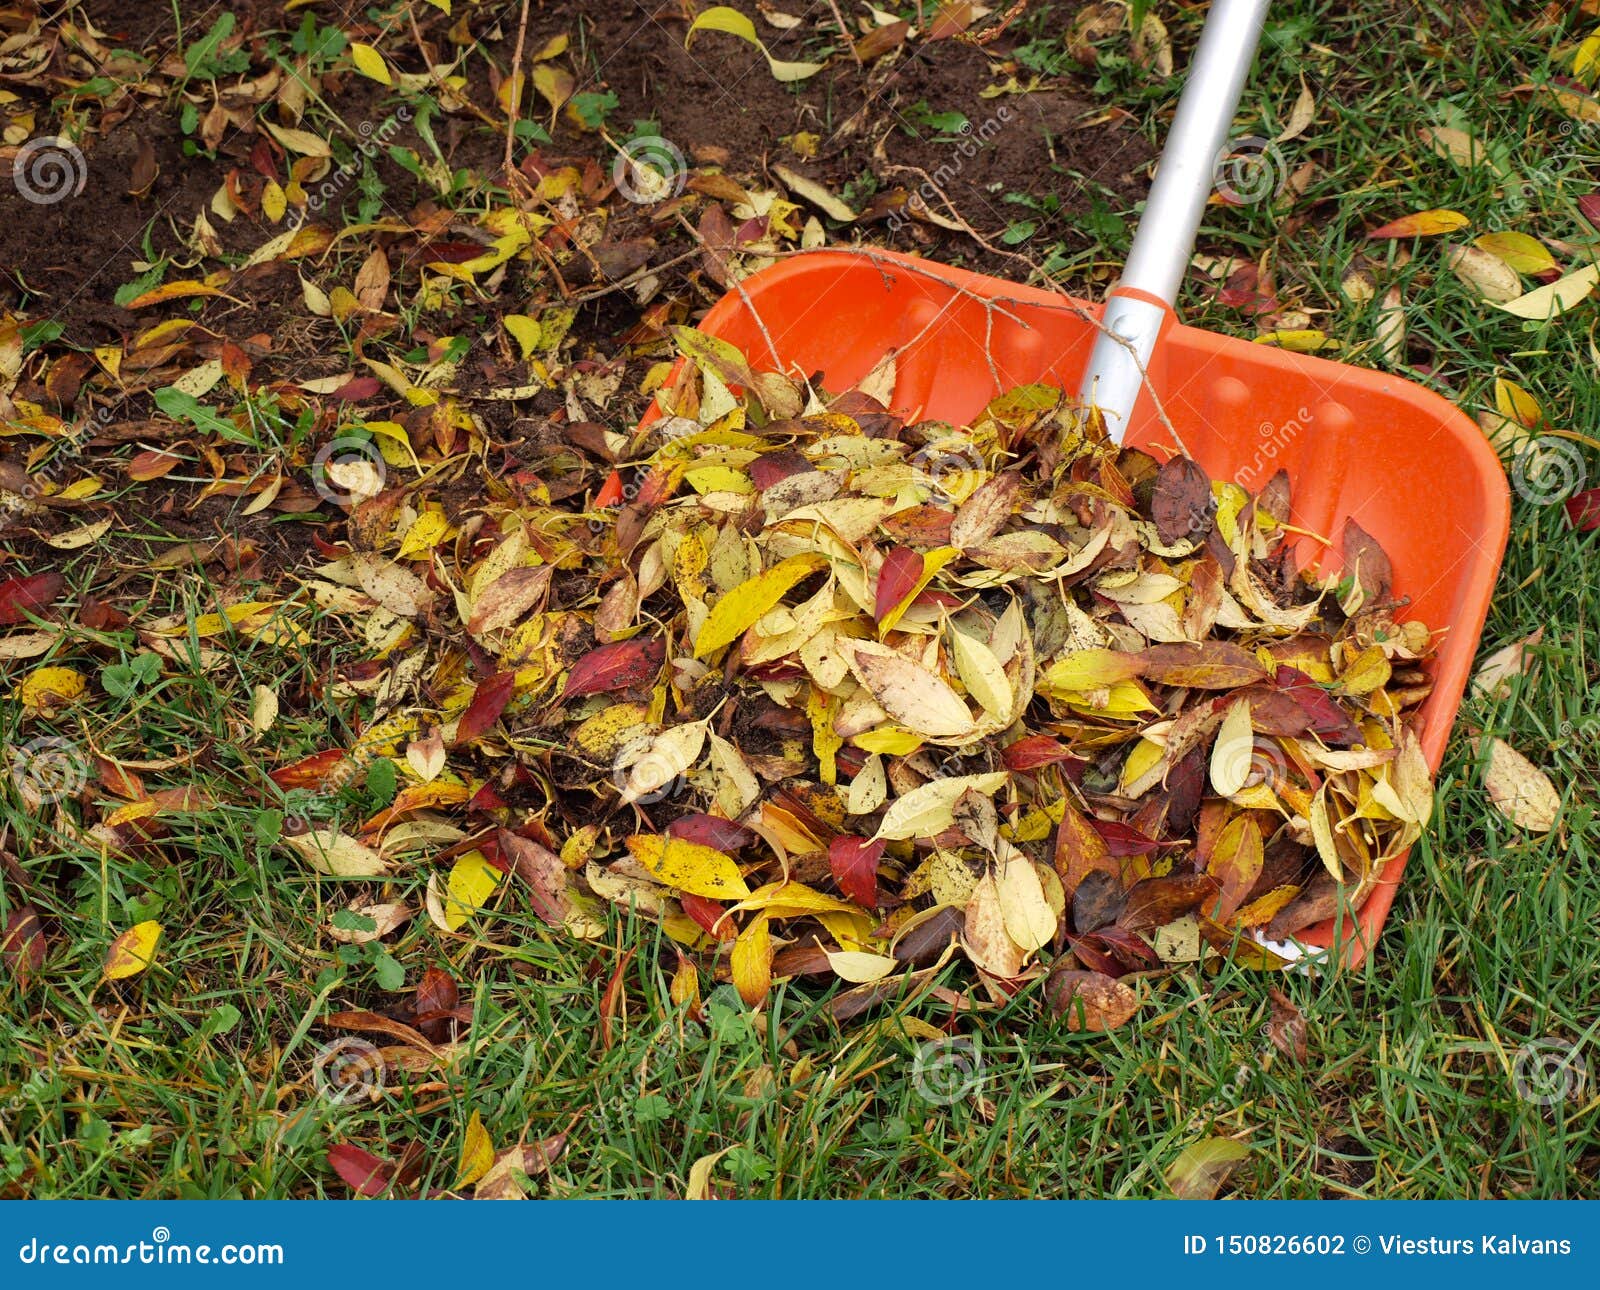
pixel 825 692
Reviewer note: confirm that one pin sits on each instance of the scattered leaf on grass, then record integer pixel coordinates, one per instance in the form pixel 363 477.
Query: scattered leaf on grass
pixel 1520 790
pixel 132 952
pixel 1202 1167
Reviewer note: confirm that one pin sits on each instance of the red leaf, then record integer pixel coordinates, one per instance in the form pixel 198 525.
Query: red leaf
pixel 901 569
pixel 854 862
pixel 363 1171
pixel 615 667
pixel 485 801
pixel 1589 207
pixel 1583 509
pixel 1328 719
pixel 1122 839
pixel 23 946
pixel 22 596
pixel 1034 751
pixel 707 913
pixel 308 772
pixel 773 467
pixel 488 702
pixel 711 831
pixel 436 992
pixel 358 388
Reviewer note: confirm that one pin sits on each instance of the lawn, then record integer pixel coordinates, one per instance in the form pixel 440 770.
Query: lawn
pixel 174 364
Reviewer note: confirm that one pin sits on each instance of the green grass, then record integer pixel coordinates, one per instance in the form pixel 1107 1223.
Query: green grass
pixel 198 1078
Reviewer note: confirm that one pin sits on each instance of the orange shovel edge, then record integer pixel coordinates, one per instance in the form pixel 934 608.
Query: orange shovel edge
pixel 1405 464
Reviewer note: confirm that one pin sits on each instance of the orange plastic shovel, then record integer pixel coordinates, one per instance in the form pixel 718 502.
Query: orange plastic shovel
pixel 1405 464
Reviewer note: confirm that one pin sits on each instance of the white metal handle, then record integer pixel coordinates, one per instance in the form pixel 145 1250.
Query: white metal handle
pixel 1142 301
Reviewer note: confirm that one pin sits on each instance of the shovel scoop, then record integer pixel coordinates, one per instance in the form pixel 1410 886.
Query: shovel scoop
pixel 1406 465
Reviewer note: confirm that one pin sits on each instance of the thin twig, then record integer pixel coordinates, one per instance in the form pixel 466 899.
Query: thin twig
pixel 516 98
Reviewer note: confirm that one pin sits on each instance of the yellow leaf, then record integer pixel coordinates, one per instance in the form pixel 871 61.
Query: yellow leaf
pixel 1322 833
pixel 477 1153
pixel 1023 908
pixel 369 62
pixel 272 200
pixel 893 741
pixel 472 881
pixel 1300 340
pixel 426 532
pixel 1523 253
pixel 263 709
pixel 172 291
pixel 699 1187
pixel 299 141
pixel 930 808
pixel 337 854
pixel 1516 404
pixel 524 330
pixel 1456 145
pixel 1486 273
pixel 50 687
pixel 1090 669
pixel 1587 58
pixel 1200 1170
pixel 751 961
pixel 132 952
pixel 860 968
pixel 442 5
pixel 688 866
pixel 1234 752
pixel 914 696
pixel 718 479
pixel 84 535
pixel 731 21
pixel 554 85
pixel 981 673
pixel 739 609
pixel 1554 298
pixel 1422 224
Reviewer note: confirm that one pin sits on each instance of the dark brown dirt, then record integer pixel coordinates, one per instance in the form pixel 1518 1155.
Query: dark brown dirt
pixel 715 101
